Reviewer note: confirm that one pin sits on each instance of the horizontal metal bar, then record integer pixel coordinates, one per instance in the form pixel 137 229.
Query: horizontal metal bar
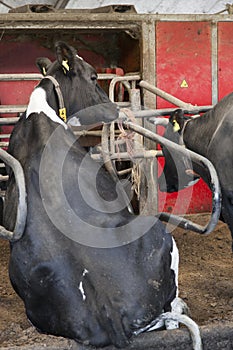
pixel 106 76
pixel 77 19
pixel 126 156
pixel 121 79
pixel 8 121
pixel 20 76
pixel 201 161
pixel 5 136
pixel 37 76
pixel 4 177
pixel 13 109
pixel 4 144
pixel 147 113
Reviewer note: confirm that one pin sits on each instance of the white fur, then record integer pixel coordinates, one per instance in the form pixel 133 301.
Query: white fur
pixel 39 104
pixel 175 306
pixel 175 263
pixel 177 315
pixel 85 271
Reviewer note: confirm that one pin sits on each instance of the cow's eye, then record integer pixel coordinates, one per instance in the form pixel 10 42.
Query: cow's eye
pixel 93 77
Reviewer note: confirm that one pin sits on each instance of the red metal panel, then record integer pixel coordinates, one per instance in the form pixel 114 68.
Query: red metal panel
pixel 184 70
pixel 18 55
pixel 225 58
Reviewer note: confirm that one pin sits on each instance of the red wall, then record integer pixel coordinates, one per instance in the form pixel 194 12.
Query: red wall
pixel 225 58
pixel 18 55
pixel 183 51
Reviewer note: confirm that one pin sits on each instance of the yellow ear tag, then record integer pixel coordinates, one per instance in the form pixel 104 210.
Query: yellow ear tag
pixel 65 64
pixel 176 126
pixel 62 114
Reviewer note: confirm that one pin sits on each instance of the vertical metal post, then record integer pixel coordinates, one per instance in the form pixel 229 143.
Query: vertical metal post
pixel 214 61
pixel 148 60
pixel 149 196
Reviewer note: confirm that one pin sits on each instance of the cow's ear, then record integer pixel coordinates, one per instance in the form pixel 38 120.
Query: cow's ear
pixel 177 120
pixel 65 55
pixel 43 63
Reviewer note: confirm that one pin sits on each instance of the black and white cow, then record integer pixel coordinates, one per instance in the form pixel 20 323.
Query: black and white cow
pixel 85 267
pixel 209 135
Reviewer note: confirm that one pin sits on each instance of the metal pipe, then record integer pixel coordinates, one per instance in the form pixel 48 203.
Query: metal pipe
pixel 198 159
pixel 166 96
pixel 147 113
pixel 37 76
pixel 5 136
pixel 125 155
pixel 109 165
pixel 105 152
pixel 4 144
pixel 13 109
pixel 118 79
pixel 22 203
pixel 20 76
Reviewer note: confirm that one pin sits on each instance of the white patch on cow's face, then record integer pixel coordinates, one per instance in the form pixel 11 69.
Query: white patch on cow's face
pixel 85 271
pixel 175 263
pixel 39 104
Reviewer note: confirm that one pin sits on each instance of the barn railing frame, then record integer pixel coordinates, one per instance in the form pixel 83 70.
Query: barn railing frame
pixel 138 26
pixel 147 156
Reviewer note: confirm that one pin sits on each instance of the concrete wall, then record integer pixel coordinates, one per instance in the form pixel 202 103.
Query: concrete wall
pixel 142 6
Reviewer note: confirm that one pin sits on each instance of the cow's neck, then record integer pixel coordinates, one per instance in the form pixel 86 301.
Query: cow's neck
pixel 193 137
pixel 38 103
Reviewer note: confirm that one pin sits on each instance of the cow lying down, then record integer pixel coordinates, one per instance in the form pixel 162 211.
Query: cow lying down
pixel 85 267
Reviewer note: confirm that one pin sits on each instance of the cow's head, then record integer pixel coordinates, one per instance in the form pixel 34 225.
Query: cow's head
pixel 178 171
pixel 83 97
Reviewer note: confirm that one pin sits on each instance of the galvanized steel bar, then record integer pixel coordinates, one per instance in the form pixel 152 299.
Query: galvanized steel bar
pixel 203 162
pixel 148 113
pixel 118 79
pixel 12 109
pixel 214 61
pixel 166 96
pixel 125 155
pixel 8 121
pixel 20 76
pixel 22 203
pixel 37 76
